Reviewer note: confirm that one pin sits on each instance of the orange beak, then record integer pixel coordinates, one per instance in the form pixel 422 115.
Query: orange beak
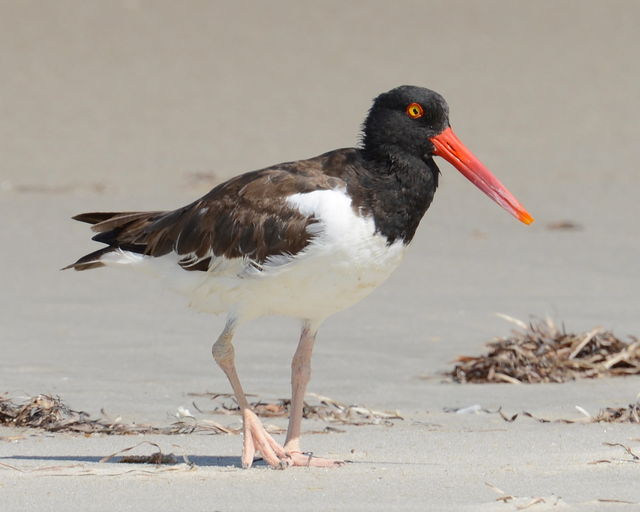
pixel 449 147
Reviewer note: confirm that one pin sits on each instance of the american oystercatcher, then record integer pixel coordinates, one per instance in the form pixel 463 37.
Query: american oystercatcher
pixel 304 239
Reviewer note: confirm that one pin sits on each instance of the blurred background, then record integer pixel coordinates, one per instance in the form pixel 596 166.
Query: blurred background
pixel 133 104
pixel 146 92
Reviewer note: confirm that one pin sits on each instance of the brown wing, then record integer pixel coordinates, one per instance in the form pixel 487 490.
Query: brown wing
pixel 247 217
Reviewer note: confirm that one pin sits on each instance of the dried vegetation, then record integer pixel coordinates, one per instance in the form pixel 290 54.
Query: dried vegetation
pixel 50 413
pixel 323 408
pixel 542 352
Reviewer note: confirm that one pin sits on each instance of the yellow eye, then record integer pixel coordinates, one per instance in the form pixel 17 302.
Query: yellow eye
pixel 415 110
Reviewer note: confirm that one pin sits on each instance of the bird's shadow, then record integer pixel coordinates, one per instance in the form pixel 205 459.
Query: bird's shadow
pixel 198 460
pixel 214 461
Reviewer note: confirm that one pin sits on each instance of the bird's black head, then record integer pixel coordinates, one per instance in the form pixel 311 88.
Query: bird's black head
pixel 403 121
pixel 408 125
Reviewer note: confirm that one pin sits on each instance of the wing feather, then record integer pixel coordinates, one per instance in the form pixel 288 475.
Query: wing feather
pixel 245 217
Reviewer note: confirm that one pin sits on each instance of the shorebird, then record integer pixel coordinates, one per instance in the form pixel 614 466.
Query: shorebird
pixel 304 239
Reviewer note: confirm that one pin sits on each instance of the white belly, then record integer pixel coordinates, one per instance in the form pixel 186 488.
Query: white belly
pixel 345 262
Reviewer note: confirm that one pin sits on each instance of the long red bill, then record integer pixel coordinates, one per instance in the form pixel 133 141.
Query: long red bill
pixel 449 147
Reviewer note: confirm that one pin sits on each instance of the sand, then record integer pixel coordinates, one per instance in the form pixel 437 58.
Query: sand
pixel 136 105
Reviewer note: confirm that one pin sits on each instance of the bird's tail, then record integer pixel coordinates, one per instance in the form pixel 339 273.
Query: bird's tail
pixel 108 225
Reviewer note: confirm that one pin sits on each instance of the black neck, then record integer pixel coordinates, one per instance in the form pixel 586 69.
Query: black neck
pixel 397 190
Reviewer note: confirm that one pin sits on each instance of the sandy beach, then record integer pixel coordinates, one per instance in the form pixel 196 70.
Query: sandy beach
pixel 135 105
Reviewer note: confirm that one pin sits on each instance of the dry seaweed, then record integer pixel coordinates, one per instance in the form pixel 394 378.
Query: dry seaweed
pixel 158 458
pixel 49 413
pixel 634 457
pixel 524 502
pixel 541 352
pixel 630 414
pixel 327 410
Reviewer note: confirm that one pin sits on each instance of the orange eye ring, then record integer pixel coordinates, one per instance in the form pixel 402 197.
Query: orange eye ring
pixel 415 110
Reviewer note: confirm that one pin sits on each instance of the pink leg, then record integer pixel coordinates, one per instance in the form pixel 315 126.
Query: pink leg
pixel 255 436
pixel 300 375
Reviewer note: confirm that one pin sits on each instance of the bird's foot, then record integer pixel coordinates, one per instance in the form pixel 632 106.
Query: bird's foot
pixel 257 439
